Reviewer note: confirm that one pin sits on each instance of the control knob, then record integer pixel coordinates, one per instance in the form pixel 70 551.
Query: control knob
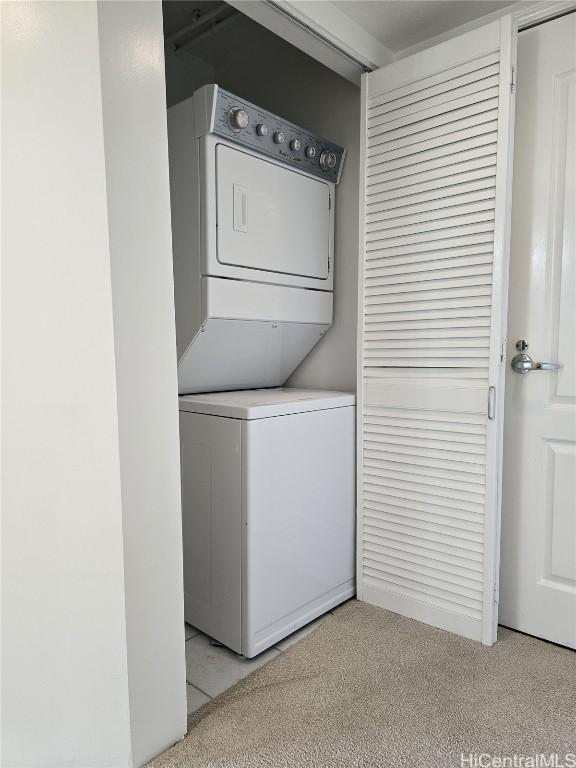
pixel 279 137
pixel 262 129
pixel 238 119
pixel 295 145
pixel 328 160
pixel 310 151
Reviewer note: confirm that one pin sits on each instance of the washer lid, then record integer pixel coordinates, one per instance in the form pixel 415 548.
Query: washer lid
pixel 263 403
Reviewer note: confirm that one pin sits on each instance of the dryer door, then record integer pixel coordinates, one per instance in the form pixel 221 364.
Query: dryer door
pixel 271 218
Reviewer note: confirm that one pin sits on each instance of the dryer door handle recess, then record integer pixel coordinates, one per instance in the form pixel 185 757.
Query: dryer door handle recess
pixel 240 208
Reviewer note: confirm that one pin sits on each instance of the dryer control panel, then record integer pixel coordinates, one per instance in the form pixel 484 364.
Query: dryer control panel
pixel 238 120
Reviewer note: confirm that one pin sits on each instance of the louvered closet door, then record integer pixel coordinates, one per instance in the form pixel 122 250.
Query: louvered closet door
pixel 436 134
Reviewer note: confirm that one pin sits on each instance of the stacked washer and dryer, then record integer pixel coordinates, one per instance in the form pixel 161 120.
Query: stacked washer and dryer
pixel 268 473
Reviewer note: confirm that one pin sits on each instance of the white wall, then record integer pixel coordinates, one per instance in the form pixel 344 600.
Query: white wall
pixel 135 143
pixel 90 506
pixel 64 634
pixel 251 61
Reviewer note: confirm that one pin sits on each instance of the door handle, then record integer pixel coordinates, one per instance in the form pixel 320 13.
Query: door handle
pixel 523 363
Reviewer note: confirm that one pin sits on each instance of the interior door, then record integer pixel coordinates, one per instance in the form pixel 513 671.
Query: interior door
pixel 271 218
pixel 435 214
pixel 538 573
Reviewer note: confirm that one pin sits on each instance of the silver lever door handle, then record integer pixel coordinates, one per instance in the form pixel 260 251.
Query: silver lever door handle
pixel 546 366
pixel 523 363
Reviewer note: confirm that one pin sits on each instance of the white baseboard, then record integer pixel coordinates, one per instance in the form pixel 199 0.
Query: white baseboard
pixel 466 626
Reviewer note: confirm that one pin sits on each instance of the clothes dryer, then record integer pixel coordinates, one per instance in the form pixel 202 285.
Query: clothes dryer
pixel 252 200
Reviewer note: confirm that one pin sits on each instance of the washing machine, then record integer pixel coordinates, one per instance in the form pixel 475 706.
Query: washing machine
pixel 252 200
pixel 268 510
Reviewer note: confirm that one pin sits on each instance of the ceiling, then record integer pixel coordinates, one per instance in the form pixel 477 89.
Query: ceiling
pixel 400 24
pixel 372 32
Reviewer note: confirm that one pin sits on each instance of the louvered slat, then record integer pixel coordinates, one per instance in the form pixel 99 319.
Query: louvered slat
pixel 431 143
pixel 440 480
pixel 451 175
pixel 411 270
pixel 411 108
pixel 441 82
pixel 412 553
pixel 440 245
pixel 456 278
pixel 457 201
pixel 446 545
pixel 433 119
pixel 440 167
pixel 416 161
pixel 454 186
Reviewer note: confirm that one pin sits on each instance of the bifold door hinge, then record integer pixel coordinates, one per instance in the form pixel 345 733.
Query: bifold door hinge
pixel 513 80
pixel 491 409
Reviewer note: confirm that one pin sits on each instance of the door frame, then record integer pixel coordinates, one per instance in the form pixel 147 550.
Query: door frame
pixel 522 19
pixel 540 13
pixel 525 20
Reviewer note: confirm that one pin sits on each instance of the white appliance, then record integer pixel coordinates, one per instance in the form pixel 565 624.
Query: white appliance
pixel 268 507
pixel 252 200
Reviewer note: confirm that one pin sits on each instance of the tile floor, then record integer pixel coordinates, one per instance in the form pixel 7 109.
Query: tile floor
pixel 211 669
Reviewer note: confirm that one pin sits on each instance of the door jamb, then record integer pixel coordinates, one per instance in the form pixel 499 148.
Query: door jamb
pixel 540 13
pixel 521 20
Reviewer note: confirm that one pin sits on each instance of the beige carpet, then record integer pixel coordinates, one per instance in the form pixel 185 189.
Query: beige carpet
pixel 369 688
